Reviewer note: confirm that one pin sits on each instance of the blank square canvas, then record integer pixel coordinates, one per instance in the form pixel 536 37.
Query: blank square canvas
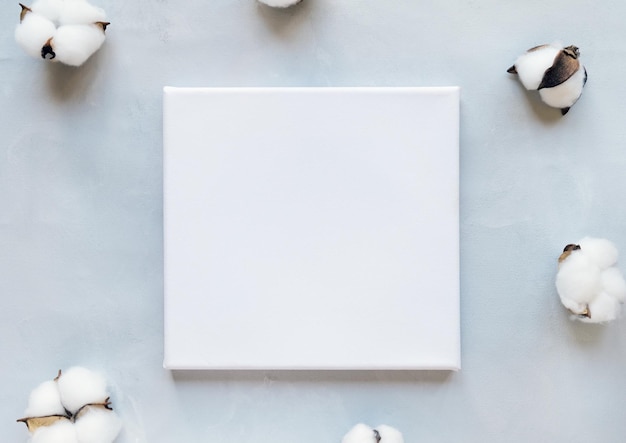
pixel 311 228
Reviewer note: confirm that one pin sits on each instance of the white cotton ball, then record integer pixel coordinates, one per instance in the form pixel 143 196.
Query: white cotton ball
pixel 33 33
pixel 60 432
pixel 577 281
pixel 280 3
pixel 613 283
pixel 360 433
pixel 532 65
pixel 80 12
pixel 389 434
pixel 97 425
pixel 602 252
pixel 45 400
pixel 79 386
pixel 74 44
pixel 567 93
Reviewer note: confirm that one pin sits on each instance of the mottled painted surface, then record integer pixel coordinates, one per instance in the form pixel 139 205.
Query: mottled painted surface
pixel 81 217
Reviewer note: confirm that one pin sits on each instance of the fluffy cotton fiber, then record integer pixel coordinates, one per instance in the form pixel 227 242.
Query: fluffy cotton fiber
pixel 532 65
pixel 50 9
pixel 68 31
pixel 78 12
pixel 33 33
pixel 588 282
pixel 60 432
pixel 362 433
pixel 280 3
pixel 45 400
pixel 564 96
pixel 67 51
pixel 97 424
pixel 79 386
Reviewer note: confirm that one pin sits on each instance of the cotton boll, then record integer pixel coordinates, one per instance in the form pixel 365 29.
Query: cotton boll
pixel 33 32
pixel 79 386
pixel 69 31
pixel 532 65
pixel 280 3
pixel 389 435
pixel 96 424
pixel 60 432
pixel 74 44
pixel 588 283
pixel 601 251
pixel 556 72
pixel 45 400
pixel 360 433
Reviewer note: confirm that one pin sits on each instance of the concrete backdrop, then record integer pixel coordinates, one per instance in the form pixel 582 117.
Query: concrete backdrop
pixel 81 274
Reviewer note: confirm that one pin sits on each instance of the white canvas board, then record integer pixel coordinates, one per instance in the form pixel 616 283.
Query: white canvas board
pixel 311 228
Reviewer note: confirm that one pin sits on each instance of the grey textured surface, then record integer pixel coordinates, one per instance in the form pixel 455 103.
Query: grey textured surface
pixel 81 217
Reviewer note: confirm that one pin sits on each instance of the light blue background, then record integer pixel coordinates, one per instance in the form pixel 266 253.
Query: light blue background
pixel 81 217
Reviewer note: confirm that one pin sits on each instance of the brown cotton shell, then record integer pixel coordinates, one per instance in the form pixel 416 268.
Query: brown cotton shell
pixel 103 25
pixel 565 65
pixel 34 423
pixel 25 10
pixel 567 251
